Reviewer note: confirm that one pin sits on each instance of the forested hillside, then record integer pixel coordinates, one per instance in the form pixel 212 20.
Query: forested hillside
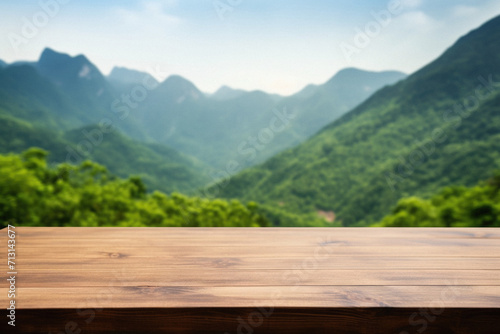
pixel 437 128
pixel 33 194
pixel 70 122
pixel 248 127
pixel 477 206
pixel 170 133
pixel 161 167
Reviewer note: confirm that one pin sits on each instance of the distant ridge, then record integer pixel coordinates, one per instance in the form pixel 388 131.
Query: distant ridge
pixel 408 139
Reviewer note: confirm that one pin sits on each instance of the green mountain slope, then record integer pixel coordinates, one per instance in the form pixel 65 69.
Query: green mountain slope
pixel 26 95
pixel 76 76
pixel 237 126
pixel 160 167
pixel 17 135
pixel 317 106
pixel 232 127
pixel 437 128
pixel 52 103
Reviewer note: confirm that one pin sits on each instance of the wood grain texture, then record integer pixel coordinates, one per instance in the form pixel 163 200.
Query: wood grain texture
pixel 186 280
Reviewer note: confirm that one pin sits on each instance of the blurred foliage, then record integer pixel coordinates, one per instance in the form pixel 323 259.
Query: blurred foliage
pixel 32 194
pixel 478 206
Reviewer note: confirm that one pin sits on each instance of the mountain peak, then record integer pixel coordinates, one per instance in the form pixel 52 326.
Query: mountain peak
pixel 123 75
pixel 51 62
pixel 50 56
pixel 224 89
pixel 352 72
pixel 349 78
pixel 74 74
pixel 227 93
pixel 177 79
pixel 180 88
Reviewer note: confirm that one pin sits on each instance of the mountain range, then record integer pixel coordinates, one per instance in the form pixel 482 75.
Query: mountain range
pixel 346 150
pixel 438 127
pixel 64 104
pixel 220 130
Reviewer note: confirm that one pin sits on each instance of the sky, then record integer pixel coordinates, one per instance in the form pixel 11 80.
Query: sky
pixel 278 46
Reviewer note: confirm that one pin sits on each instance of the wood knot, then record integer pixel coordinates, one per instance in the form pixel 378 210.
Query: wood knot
pixel 116 255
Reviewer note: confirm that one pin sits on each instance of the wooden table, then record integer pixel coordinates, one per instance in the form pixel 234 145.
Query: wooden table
pixel 249 280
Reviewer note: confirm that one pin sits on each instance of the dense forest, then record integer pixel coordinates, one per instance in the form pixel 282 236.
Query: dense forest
pixel 32 194
pixel 477 206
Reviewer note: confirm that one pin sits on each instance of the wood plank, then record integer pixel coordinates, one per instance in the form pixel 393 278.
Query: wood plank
pixel 345 232
pixel 300 242
pixel 270 251
pixel 113 261
pixel 112 295
pixel 189 277
pixel 201 280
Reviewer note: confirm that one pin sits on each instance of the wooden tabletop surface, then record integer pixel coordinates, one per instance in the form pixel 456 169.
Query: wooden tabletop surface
pixel 73 268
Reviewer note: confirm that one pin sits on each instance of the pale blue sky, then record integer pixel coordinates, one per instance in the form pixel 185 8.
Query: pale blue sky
pixel 275 45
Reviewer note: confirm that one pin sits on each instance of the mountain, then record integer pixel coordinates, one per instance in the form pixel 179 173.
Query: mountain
pixel 124 79
pixel 438 127
pixel 160 167
pixel 61 93
pixel 17 135
pixel 45 102
pixel 64 70
pixel 236 127
pixel 79 79
pixel 2 63
pixel 23 62
pixel 92 97
pixel 318 105
pixel 227 93
pixel 26 95
pixel 52 105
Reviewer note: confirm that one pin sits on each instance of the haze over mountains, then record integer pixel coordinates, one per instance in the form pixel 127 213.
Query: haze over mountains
pixel 236 128
pixel 437 128
pixel 66 105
